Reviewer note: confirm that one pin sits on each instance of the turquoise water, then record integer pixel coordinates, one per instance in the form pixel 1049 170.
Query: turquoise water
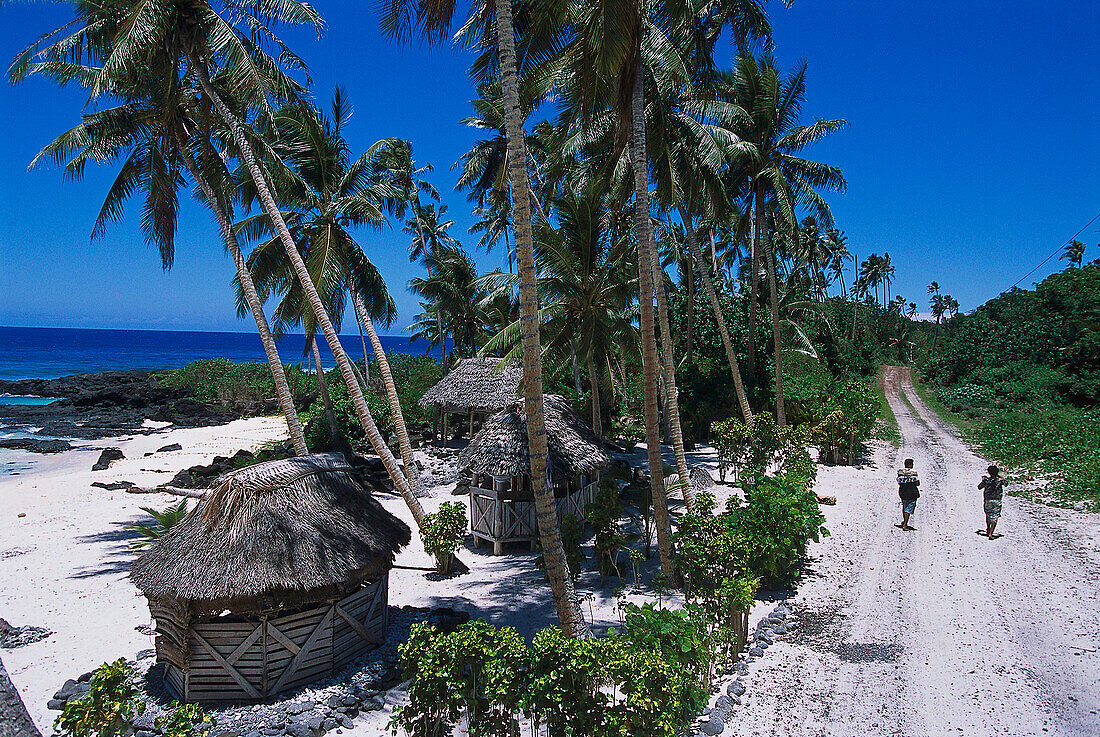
pixel 26 401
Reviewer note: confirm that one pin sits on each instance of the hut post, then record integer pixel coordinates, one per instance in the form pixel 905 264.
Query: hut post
pixel 471 424
pixel 444 438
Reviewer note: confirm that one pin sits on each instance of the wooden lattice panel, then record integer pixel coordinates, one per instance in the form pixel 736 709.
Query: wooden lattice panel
pixel 248 659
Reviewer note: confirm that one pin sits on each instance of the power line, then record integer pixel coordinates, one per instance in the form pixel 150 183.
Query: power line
pixel 1057 250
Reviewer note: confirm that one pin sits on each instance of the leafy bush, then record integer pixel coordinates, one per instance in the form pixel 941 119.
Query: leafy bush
pixel 150 532
pixel 412 376
pixel 109 707
pixel 644 681
pixel 844 421
pixel 603 515
pixel 782 516
pixel 709 555
pixel 443 532
pixel 318 434
pixel 185 720
pixel 244 386
pixel 758 447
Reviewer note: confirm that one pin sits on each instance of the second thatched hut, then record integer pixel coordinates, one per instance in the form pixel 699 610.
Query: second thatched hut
pixel 277 578
pixel 502 507
pixel 474 388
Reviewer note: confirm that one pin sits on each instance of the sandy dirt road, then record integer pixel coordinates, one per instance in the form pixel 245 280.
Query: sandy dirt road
pixel 938 631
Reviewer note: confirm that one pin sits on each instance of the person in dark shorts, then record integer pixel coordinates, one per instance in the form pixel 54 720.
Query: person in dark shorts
pixel 992 487
pixel 908 481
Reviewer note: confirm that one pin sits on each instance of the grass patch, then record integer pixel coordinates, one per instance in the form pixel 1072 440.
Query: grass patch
pixel 1053 442
pixel 886 427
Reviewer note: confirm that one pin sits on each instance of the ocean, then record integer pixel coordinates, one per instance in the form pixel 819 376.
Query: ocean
pixel 47 353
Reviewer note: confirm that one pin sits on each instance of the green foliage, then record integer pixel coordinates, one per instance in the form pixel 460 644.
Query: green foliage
pixel 644 681
pixel 709 555
pixel 844 420
pixel 753 449
pixel 185 720
pixel 442 533
pixel 1059 441
pixel 603 515
pixel 782 516
pixel 1024 370
pixel 109 707
pixel 412 376
pixel 572 535
pixel 150 532
pixel 318 435
pixel 243 386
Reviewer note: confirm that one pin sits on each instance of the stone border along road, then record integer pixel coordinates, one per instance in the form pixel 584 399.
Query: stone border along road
pixel 938 631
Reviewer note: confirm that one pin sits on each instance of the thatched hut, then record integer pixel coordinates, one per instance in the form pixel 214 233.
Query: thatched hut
pixel 474 388
pixel 502 507
pixel 278 577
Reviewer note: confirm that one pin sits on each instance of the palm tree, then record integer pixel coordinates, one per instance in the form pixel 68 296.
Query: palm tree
pixel 1074 253
pixel 586 286
pixel 837 246
pixel 209 43
pixel 430 232
pixel 455 294
pixel 162 128
pixel 324 192
pixel 771 140
pixel 431 20
pixel 938 306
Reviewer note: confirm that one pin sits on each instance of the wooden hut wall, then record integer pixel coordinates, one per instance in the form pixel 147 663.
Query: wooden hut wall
pixel 239 659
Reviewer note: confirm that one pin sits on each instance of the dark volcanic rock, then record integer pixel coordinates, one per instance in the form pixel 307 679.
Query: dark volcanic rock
pixel 110 403
pixel 13 637
pixel 114 485
pixel 170 448
pixel 36 446
pixel 15 721
pixel 107 457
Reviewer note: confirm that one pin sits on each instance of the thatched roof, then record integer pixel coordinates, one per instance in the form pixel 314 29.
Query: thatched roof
pixel 500 448
pixel 278 528
pixel 479 384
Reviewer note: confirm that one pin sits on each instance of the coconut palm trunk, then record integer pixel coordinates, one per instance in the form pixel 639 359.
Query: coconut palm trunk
pixel 754 295
pixel 594 384
pixel 689 308
pixel 731 355
pixel 347 371
pixel 255 306
pixel 672 393
pixel 391 391
pixel 644 230
pixel 773 299
pixel 561 583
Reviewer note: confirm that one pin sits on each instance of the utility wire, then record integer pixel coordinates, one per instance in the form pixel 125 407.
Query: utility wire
pixel 1057 250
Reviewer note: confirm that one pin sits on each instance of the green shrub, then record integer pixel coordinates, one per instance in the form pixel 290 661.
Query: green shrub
pixel 443 532
pixel 644 681
pixel 604 514
pixel 758 447
pixel 318 434
pixel 710 557
pixel 781 518
pixel 109 707
pixel 185 720
pixel 845 420
pixel 238 385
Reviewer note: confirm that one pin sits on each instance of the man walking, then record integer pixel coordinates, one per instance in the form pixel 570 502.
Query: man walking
pixel 908 481
pixel 992 487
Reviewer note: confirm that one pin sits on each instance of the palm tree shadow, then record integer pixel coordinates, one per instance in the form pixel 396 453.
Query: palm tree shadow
pixel 119 555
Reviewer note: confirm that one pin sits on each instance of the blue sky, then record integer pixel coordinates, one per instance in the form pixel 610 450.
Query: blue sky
pixel 972 153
